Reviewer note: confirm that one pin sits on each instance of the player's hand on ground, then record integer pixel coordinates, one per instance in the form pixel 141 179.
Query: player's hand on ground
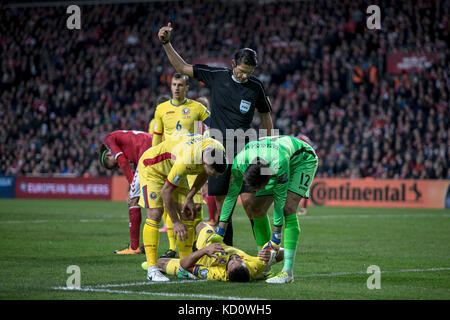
pixel 212 249
pixel 180 231
pixel 164 33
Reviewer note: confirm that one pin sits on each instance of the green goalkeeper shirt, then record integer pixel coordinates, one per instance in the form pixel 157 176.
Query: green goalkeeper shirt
pixel 277 152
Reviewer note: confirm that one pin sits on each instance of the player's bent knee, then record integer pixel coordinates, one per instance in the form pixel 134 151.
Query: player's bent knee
pixel 162 263
pixel 134 202
pixel 155 213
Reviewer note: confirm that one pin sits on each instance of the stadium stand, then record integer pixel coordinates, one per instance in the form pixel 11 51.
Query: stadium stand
pixel 326 74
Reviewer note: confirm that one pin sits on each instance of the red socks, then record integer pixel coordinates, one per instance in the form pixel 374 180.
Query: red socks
pixel 135 226
pixel 212 207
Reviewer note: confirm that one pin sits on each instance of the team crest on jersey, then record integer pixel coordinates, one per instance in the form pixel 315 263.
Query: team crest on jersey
pixel 153 195
pixel 186 111
pixel 204 273
pixel 245 106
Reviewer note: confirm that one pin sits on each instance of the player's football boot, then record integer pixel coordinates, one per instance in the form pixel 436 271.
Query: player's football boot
pixel 302 212
pixel 163 229
pixel 169 254
pixel 128 250
pixel 282 277
pixel 269 273
pixel 154 274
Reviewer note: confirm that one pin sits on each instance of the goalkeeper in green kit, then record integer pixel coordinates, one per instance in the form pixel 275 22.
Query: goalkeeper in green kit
pixel 278 169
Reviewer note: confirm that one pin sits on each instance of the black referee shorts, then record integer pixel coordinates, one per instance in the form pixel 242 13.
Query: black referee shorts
pixel 219 186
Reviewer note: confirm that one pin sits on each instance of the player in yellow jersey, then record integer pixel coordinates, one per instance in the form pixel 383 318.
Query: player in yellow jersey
pixel 151 128
pixel 163 172
pixel 161 99
pixel 214 260
pixel 176 116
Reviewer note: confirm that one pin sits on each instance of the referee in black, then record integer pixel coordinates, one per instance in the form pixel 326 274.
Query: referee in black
pixel 235 94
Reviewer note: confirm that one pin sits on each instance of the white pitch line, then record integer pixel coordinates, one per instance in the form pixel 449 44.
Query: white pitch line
pixel 146 283
pixel 161 294
pixel 364 272
pixel 103 288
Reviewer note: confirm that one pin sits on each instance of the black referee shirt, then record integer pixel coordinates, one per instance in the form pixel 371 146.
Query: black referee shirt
pixel 232 103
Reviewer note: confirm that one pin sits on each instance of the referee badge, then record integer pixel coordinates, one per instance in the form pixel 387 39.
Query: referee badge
pixel 245 106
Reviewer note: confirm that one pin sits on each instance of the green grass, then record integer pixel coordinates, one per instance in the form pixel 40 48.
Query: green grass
pixel 41 238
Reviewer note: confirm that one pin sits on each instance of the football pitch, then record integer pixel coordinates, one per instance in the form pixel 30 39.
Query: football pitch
pixel 40 239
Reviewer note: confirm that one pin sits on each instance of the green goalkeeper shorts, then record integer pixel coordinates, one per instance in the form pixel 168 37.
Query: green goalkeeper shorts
pixel 302 171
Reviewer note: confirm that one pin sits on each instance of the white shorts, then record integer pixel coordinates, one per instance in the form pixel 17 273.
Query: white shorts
pixel 135 187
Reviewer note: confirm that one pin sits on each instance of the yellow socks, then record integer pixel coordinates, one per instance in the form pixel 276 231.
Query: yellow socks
pixel 170 234
pixel 185 247
pixel 150 236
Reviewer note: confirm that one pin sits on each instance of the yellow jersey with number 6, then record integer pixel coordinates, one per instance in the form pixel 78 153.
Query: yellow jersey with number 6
pixel 171 118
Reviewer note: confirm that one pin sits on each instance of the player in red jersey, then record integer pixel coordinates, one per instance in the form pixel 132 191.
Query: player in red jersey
pixel 304 201
pixel 120 148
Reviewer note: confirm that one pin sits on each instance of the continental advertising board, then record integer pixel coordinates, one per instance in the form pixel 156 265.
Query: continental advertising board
pixel 381 193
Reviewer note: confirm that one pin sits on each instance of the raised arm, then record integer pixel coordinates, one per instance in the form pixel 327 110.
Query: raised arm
pixel 177 62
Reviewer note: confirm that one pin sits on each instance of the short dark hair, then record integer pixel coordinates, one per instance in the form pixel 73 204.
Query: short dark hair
pixel 162 98
pixel 178 75
pixel 246 56
pixel 255 176
pixel 240 274
pixel 217 159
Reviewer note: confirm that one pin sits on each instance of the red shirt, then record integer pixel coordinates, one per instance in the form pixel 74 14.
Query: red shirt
pixel 128 146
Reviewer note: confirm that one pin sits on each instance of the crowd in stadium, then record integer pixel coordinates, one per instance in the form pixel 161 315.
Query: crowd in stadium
pixel 62 91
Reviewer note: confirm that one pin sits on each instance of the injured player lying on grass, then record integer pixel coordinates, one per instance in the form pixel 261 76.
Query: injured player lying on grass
pixel 215 260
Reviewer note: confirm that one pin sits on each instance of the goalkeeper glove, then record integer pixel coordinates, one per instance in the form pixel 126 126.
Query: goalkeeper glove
pixel 220 231
pixel 184 274
pixel 275 242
